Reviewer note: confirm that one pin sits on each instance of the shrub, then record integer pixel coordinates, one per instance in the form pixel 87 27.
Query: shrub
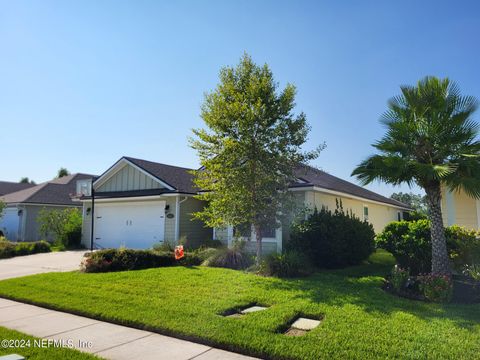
pixel 125 259
pixel 409 242
pixel 436 288
pixel 65 226
pixel 399 278
pixel 165 246
pixel 333 239
pixel 232 258
pixel 289 264
pixel 472 271
pixel 9 249
pixel 129 259
pixel 463 246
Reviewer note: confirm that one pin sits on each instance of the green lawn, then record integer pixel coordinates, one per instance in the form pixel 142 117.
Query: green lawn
pixel 359 319
pixel 30 349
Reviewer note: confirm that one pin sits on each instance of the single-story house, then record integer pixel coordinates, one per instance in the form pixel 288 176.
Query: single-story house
pixel 139 203
pixel 19 219
pixel 460 209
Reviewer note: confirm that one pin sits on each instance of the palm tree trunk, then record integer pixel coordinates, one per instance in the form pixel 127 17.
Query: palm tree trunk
pixel 440 261
pixel 258 236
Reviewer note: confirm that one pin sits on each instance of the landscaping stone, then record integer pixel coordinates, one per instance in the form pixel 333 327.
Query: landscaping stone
pixel 253 309
pixel 305 324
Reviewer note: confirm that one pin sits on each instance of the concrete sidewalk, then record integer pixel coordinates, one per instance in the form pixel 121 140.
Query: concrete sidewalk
pixel 40 263
pixel 104 339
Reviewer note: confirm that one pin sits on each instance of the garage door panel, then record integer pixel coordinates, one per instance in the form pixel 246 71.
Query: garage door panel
pixel 133 225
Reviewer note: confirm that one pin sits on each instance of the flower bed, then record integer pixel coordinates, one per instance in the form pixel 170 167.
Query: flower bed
pixel 432 287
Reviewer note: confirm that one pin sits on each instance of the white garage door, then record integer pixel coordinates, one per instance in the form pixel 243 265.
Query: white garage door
pixel 9 223
pixel 136 225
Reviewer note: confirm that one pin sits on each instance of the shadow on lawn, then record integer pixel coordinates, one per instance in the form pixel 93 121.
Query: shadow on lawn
pixel 336 288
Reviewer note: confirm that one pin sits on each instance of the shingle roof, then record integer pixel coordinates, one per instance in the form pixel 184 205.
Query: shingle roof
pixel 182 180
pixel 55 192
pixel 7 187
pixel 310 176
pixel 177 177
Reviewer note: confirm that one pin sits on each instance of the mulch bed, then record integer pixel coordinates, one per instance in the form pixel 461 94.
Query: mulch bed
pixel 465 291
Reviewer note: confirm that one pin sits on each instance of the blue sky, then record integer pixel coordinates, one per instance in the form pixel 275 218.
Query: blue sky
pixel 84 82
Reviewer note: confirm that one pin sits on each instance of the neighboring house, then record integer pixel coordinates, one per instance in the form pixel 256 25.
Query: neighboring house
pixel 139 203
pixel 7 187
pixel 460 209
pixel 19 220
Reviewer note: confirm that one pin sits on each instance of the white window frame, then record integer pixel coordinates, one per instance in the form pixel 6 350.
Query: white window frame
pixel 367 216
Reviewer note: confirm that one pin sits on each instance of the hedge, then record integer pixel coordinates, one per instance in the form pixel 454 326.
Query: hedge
pixel 10 249
pixel 410 243
pixel 128 259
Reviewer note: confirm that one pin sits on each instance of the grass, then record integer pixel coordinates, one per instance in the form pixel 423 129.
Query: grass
pixel 359 320
pixel 30 348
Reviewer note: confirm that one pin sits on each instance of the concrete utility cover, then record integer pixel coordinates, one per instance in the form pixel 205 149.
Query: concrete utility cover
pixel 12 357
pixel 253 309
pixel 305 324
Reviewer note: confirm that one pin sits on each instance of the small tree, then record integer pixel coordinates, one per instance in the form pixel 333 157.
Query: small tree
pixel 431 140
pixel 249 150
pixel 62 172
pixel 416 201
pixel 65 226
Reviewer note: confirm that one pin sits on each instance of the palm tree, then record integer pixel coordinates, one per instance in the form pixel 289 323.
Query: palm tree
pixel 430 141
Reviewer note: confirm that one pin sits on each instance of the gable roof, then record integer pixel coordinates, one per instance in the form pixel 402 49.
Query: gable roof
pixel 181 180
pixel 309 176
pixel 55 192
pixel 7 187
pixel 177 177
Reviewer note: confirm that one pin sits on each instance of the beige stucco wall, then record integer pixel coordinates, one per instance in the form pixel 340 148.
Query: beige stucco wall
pixel 379 215
pixel 460 209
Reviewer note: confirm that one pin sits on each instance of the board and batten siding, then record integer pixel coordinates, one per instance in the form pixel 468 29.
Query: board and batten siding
pixel 193 230
pixel 378 215
pixel 129 178
pixel 459 209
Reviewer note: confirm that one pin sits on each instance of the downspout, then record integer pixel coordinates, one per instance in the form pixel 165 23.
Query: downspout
pixel 177 216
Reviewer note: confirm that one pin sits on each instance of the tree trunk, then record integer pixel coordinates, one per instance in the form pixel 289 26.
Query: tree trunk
pixel 440 260
pixel 258 236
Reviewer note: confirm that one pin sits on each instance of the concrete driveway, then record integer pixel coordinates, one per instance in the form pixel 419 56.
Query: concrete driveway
pixel 40 263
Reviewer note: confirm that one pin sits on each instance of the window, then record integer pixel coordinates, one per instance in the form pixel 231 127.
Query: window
pixel 268 232
pixel 365 212
pixel 399 216
pixel 245 231
pixel 83 187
